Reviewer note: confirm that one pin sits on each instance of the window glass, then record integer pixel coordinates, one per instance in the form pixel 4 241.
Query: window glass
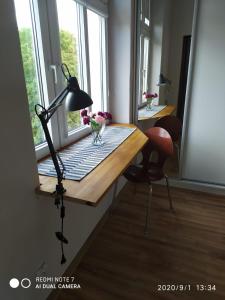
pixel 29 51
pixel 147 22
pixel 74 35
pixel 145 70
pixel 95 59
pixel 68 32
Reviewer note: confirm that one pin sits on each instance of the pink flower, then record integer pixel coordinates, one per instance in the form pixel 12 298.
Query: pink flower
pixel 150 95
pixel 107 116
pixel 100 119
pixel 83 112
pixel 100 114
pixel 86 120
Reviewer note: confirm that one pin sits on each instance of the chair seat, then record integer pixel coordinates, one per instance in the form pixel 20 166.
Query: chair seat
pixel 155 172
pixel 135 174
pixel 138 174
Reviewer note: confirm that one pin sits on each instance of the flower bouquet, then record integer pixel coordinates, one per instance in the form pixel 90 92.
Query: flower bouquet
pixel 149 97
pixel 97 121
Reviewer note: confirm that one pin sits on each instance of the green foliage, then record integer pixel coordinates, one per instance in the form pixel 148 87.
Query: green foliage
pixel 31 81
pixel 69 51
pixel 69 57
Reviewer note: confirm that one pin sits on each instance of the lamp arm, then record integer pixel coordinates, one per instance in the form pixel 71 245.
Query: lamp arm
pixel 47 113
pixel 44 116
pixel 58 100
pixel 51 147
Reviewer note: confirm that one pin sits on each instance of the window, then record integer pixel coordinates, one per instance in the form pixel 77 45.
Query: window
pixel 69 41
pixel 56 32
pixel 145 8
pixel 95 42
pixel 145 65
pixel 143 60
pixel 144 68
pixel 31 64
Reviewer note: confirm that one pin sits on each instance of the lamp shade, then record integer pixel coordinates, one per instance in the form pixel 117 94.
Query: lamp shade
pixel 76 98
pixel 163 80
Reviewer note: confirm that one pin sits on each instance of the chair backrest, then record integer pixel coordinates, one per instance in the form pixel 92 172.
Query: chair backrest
pixel 161 142
pixel 172 124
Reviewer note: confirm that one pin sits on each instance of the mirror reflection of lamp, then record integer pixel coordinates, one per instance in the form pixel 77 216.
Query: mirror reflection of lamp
pixel 164 82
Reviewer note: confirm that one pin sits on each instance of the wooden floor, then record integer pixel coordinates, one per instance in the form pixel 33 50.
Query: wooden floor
pixel 187 248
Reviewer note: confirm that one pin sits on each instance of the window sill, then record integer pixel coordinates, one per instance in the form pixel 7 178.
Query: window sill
pixel 94 186
pixel 168 110
pixel 140 106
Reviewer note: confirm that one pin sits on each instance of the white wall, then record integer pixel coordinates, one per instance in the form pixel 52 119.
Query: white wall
pixel 28 222
pixel 120 57
pixel 204 156
pixel 181 24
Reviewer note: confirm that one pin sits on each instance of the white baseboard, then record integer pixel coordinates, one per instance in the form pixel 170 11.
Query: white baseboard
pixel 185 184
pixel 196 186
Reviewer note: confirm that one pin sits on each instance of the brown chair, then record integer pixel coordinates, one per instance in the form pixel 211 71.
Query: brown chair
pixel 173 125
pixel 148 172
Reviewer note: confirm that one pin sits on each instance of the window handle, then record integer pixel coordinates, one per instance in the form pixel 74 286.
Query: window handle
pixel 54 69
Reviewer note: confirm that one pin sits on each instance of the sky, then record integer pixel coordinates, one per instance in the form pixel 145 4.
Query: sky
pixel 22 13
pixel 66 11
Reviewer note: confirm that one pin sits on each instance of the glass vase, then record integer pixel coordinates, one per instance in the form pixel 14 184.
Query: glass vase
pixel 149 104
pixel 97 132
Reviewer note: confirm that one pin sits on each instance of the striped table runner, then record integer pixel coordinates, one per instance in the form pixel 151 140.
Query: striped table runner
pixel 82 157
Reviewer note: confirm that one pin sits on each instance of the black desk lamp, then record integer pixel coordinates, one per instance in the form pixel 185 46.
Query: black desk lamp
pixel 76 99
pixel 163 80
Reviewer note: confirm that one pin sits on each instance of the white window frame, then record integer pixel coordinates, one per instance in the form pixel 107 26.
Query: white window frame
pixel 141 69
pixel 47 27
pixel 145 12
pixel 143 31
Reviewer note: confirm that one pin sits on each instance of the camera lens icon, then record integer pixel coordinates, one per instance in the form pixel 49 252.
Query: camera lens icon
pixel 14 283
pixel 25 283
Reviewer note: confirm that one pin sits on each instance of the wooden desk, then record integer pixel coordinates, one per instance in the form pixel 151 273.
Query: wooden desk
pixel 93 187
pixel 168 110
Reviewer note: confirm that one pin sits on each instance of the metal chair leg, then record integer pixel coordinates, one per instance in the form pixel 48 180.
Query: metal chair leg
pixel 148 209
pixel 168 190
